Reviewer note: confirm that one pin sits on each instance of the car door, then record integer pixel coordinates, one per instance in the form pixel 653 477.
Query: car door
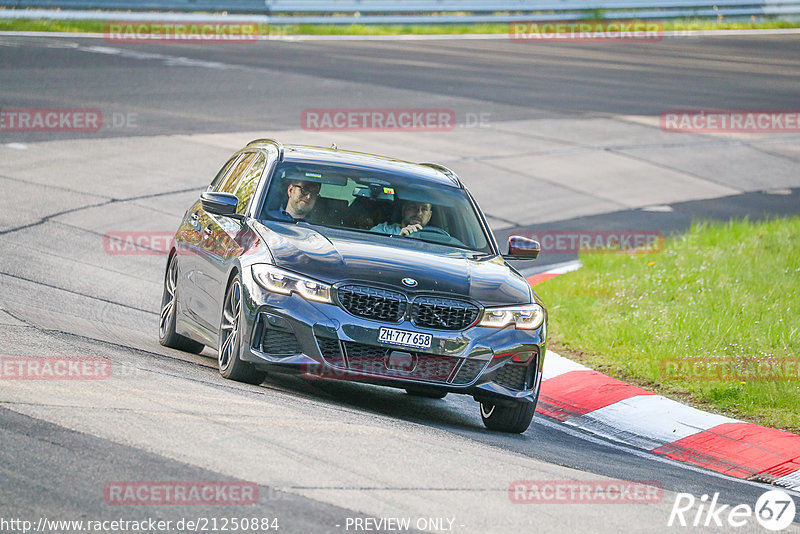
pixel 189 244
pixel 217 235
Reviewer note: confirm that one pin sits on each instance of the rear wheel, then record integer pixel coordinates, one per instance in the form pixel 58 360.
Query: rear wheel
pixel 230 365
pixel 515 418
pixel 427 393
pixel 166 326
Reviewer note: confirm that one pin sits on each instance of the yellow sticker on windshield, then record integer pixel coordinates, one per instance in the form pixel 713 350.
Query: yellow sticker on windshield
pixel 388 190
pixel 313 175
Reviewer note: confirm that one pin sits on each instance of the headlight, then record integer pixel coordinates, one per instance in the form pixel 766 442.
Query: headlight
pixel 526 317
pixel 277 280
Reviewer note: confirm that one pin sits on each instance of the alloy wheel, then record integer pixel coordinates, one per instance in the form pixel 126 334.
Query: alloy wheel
pixel 168 304
pixel 230 326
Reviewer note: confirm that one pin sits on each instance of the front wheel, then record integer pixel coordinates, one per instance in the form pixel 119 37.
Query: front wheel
pixel 230 365
pixel 516 418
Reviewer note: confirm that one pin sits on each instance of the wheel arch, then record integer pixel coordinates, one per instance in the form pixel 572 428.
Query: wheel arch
pixel 235 269
pixel 172 253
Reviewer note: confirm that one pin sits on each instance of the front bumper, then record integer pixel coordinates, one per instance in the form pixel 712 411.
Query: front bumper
pixel 324 341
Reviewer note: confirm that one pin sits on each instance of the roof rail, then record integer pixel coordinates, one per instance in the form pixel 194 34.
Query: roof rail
pixel 265 141
pixel 444 170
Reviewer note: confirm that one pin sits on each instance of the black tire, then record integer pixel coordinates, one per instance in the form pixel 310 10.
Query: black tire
pixel 166 325
pixel 228 361
pixel 516 418
pixel 427 393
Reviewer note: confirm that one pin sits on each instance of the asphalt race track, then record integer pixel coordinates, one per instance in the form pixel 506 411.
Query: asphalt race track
pixel 547 135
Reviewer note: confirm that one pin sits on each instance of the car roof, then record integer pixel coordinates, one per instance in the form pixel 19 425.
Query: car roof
pixel 312 154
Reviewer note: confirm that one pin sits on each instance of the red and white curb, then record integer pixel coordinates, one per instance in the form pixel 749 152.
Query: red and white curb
pixel 586 399
pixel 553 271
pixel 591 401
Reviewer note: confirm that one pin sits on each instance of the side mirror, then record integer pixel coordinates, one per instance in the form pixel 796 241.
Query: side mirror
pixel 223 204
pixel 522 248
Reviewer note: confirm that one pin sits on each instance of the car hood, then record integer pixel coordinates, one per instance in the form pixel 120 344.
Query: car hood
pixel 333 256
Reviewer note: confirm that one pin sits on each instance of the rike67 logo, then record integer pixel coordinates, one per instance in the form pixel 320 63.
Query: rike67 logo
pixel 774 510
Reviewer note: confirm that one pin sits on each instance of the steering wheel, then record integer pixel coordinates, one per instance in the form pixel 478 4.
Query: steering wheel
pixel 431 230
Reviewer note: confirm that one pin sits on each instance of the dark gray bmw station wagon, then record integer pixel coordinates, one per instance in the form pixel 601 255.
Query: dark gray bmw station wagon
pixel 349 266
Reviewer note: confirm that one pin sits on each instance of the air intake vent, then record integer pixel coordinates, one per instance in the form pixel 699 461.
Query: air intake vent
pixel 442 313
pixel 372 303
pixel 279 343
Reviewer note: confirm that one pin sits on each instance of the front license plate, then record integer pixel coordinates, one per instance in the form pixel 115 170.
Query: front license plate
pixel 404 338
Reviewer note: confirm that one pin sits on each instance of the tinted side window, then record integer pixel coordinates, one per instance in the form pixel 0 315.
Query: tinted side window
pixel 221 174
pixel 249 183
pixel 229 184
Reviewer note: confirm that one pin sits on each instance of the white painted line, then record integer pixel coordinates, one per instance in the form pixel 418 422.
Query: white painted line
pixel 556 268
pixel 170 61
pixel 17 146
pixel 87 35
pixel 648 421
pixel 658 209
pixel 409 37
pixel 566 268
pixel 729 33
pixel 277 37
pixel 789 481
pixel 556 365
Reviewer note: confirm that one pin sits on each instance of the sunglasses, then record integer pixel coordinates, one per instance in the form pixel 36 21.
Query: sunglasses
pixel 307 190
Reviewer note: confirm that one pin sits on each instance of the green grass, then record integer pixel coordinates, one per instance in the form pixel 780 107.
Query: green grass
pixel 45 25
pixel 97 26
pixel 721 292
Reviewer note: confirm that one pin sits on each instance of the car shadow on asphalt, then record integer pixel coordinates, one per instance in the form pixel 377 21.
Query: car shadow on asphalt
pixel 455 412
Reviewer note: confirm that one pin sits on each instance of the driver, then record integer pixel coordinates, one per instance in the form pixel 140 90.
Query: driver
pixel 302 198
pixel 416 215
pixel 300 203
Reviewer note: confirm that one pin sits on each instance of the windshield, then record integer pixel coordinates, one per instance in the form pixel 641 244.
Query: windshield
pixel 376 202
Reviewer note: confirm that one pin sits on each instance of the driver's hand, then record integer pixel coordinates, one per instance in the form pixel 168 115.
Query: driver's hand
pixel 410 229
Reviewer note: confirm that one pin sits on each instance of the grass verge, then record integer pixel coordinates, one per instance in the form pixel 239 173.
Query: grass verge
pixel 98 26
pixel 713 319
